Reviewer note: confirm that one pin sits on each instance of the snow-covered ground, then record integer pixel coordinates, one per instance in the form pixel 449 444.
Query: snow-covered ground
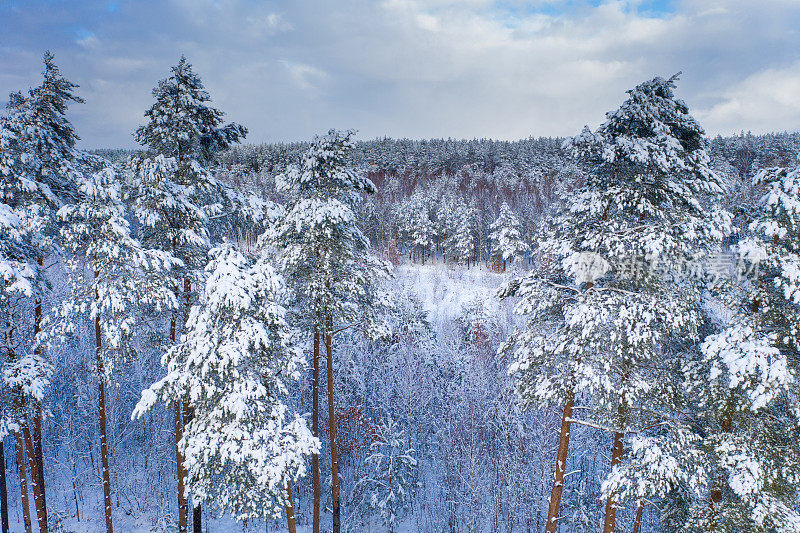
pixel 445 290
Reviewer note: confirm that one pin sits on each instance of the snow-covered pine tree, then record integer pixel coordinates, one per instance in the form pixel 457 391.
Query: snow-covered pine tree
pixel 733 465
pixel 182 124
pixel 236 364
pixel 327 260
pixel 402 215
pixel 42 165
pixel 608 313
pixel 107 285
pixel 506 236
pixel 750 400
pixel 461 242
pixel 174 193
pixel 748 449
pixel 17 280
pixel 423 230
pixel 387 487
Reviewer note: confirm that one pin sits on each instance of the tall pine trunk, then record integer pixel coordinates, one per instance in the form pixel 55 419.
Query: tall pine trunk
pixel 561 462
pixel 183 524
pixel 20 445
pixel 315 430
pixel 37 418
pixel 37 493
pixel 3 490
pixel 637 522
pixel 332 423
pixel 289 508
pixel 23 483
pixel 101 402
pixel 197 511
pixel 37 448
pixel 618 450
pixel 609 525
pixel 188 410
pixel 183 507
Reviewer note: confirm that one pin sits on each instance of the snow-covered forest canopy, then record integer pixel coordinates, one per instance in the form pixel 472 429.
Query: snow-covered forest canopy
pixel 592 333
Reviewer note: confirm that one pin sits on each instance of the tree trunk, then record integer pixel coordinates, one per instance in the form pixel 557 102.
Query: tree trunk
pixel 637 522
pixel 37 494
pixel 197 519
pixel 3 490
pixel 20 444
pixel 188 410
pixel 37 448
pixel 315 430
pixel 609 524
pixel 561 464
pixel 290 523
pixel 716 492
pixel 183 508
pixel 37 419
pixel 23 483
pixel 332 424
pixel 101 389
pixel 104 451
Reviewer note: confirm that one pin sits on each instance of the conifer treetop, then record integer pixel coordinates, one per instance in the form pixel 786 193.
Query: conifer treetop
pixel 324 253
pixel 650 153
pixel 614 291
pixel 42 162
pixel 181 123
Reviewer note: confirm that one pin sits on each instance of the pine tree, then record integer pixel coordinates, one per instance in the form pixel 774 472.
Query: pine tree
pixel 388 485
pixel 734 463
pixel 235 364
pixel 107 285
pixel 609 313
pixel 422 228
pixel 17 284
pixel 745 387
pixel 174 195
pixel 461 243
pixel 506 236
pixel 327 260
pixel 749 395
pixel 42 165
pixel 182 124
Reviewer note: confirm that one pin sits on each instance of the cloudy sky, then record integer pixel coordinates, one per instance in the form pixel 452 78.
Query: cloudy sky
pixel 288 69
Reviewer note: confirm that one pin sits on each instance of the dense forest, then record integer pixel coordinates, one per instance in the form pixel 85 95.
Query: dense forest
pixel 552 334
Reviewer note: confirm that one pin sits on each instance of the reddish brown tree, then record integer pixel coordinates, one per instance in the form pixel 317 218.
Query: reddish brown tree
pixel 561 461
pixel 315 431
pixel 23 482
pixel 101 402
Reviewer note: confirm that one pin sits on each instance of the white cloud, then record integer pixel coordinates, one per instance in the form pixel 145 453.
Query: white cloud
pixel 267 24
pixel 766 101
pixel 305 76
pixel 89 41
pixel 415 68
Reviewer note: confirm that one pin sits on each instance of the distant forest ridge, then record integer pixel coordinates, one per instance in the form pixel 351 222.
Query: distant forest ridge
pixel 436 156
pixel 431 190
